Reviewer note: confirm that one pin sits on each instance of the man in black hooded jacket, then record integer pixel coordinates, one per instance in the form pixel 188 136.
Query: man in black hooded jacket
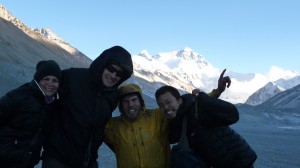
pixel 88 98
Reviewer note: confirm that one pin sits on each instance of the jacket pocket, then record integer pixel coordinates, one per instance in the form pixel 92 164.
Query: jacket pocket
pixel 12 153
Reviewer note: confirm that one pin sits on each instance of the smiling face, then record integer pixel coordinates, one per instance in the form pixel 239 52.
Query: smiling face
pixel 49 85
pixel 112 74
pixel 131 106
pixel 168 104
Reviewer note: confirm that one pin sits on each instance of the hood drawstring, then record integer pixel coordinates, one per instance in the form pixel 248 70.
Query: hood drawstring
pixel 48 99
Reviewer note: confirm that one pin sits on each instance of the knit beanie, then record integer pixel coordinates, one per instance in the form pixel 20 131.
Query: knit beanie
pixel 46 68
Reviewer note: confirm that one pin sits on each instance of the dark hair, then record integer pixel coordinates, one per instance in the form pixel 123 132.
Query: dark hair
pixel 165 89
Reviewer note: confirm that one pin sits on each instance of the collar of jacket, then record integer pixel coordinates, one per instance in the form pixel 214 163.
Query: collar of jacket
pixel 36 89
pixel 187 103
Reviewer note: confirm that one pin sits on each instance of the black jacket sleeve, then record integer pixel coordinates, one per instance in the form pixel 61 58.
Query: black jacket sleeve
pixel 215 112
pixel 7 107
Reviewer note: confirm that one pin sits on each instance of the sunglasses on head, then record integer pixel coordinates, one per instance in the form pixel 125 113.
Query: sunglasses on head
pixel 112 69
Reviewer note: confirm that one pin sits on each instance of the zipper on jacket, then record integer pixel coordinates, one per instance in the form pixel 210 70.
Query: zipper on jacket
pixel 132 135
pixel 141 135
pixel 12 142
pixel 88 153
pixel 134 141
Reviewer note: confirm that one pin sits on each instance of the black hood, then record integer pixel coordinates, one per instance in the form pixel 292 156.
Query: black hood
pixel 116 55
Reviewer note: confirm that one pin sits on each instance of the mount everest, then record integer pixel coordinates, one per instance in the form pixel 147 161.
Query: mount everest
pixel 184 69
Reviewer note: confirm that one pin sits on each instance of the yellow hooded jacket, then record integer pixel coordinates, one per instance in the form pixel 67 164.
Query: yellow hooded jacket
pixel 140 144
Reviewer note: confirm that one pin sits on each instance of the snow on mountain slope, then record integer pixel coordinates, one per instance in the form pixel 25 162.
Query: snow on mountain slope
pixel 285 102
pixel 186 69
pixel 264 93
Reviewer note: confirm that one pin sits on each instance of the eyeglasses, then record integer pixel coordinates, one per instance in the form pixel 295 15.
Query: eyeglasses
pixel 112 69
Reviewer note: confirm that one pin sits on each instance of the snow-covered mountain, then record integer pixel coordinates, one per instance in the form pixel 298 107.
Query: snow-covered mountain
pixel 271 89
pixel 284 102
pixel 264 93
pixel 178 68
pixel 187 69
pixel 287 84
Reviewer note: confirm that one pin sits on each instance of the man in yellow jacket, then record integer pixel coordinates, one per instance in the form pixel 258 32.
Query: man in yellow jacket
pixel 139 136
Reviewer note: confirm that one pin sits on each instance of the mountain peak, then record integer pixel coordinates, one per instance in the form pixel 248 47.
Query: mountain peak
pixel 5 14
pixel 145 54
pixel 264 93
pixel 188 54
pixel 187 49
pixel 49 34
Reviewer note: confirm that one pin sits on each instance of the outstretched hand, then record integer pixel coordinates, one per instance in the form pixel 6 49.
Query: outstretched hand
pixel 223 82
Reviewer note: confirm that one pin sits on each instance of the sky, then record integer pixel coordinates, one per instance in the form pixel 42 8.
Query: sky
pixel 244 36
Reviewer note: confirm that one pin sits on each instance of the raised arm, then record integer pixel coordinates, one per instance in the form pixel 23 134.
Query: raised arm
pixel 223 82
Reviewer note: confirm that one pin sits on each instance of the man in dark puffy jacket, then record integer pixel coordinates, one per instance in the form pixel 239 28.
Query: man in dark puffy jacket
pixel 88 98
pixel 24 114
pixel 207 130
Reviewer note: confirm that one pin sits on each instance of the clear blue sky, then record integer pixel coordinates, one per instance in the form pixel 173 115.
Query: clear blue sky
pixel 240 35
